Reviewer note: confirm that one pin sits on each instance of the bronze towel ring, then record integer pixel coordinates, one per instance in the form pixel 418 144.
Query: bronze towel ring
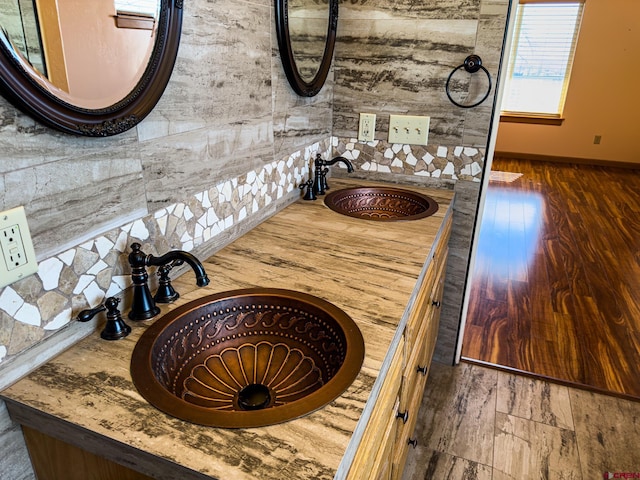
pixel 471 64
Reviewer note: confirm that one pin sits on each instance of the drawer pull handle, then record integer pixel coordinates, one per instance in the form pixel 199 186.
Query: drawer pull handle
pixel 422 370
pixel 413 442
pixel 403 415
pixel 436 303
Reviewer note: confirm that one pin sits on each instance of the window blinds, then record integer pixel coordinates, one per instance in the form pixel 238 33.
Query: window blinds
pixel 543 46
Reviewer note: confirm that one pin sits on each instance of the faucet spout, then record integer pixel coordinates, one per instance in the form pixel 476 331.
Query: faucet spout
pixel 335 160
pixel 201 276
pixel 320 185
pixel 143 305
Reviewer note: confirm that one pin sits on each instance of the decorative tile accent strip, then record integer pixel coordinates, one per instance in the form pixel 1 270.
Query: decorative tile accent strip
pixel 83 276
pixel 435 161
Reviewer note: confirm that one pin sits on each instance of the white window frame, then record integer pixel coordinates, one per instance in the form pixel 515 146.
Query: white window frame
pixel 530 116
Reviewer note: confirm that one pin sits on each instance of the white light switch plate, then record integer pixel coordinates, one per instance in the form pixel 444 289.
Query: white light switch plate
pixel 408 129
pixel 17 257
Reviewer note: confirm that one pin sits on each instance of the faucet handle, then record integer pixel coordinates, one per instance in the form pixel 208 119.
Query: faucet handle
pixel 86 315
pixel 137 258
pixel 115 328
pixel 325 185
pixel 310 195
pixel 166 293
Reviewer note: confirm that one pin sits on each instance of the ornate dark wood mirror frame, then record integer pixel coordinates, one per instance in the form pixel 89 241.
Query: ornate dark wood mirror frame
pixel 19 87
pixel 299 85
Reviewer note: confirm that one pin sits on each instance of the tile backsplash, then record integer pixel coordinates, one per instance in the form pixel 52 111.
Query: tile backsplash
pixel 431 161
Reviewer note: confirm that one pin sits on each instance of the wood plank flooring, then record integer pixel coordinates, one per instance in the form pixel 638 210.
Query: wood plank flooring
pixel 556 286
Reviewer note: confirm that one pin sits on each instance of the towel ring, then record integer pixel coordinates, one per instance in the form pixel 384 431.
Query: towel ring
pixel 471 64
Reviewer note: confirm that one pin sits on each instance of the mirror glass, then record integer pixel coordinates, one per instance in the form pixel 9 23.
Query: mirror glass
pixel 308 27
pixel 93 67
pixel 89 54
pixel 306 31
pixel 20 25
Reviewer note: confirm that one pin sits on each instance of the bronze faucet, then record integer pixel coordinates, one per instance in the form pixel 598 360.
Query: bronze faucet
pixel 320 185
pixel 144 306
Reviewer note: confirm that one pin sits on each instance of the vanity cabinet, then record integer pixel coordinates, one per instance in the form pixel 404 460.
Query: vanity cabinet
pixel 389 433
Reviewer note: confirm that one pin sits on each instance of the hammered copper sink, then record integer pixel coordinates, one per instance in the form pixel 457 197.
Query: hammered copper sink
pixel 383 204
pixel 247 358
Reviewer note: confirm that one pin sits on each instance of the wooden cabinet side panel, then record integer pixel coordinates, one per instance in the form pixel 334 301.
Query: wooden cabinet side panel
pixel 54 459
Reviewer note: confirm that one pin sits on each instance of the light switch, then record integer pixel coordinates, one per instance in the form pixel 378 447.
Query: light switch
pixel 408 129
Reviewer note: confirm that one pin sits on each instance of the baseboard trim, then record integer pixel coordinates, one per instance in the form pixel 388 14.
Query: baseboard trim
pixel 575 160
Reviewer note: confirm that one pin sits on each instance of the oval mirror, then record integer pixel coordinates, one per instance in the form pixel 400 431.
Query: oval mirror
pixel 306 31
pixel 93 69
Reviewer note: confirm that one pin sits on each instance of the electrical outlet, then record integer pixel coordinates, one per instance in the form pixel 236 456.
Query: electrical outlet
pixel 367 127
pixel 17 259
pixel 597 139
pixel 408 129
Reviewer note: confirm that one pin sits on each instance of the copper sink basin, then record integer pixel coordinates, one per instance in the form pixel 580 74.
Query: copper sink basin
pixel 247 358
pixel 383 204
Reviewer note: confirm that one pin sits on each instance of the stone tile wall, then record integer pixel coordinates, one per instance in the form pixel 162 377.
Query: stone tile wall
pixel 430 161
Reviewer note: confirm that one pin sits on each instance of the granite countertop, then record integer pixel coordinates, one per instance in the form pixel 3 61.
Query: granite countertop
pixel 86 397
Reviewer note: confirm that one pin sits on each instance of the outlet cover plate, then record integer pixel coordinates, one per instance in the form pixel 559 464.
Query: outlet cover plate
pixel 408 129
pixel 17 257
pixel 367 127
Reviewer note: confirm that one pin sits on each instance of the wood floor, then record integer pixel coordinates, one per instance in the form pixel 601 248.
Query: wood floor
pixel 556 286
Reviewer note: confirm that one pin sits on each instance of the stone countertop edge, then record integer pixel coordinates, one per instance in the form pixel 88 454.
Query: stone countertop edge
pixel 125 429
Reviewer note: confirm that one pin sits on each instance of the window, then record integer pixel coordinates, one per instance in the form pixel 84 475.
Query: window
pixel 542 51
pixel 138 14
pixel 142 7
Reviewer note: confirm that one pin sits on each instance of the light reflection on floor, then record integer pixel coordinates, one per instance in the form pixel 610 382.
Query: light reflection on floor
pixel 506 177
pixel 509 232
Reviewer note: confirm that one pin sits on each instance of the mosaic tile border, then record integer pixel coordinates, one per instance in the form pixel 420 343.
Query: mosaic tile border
pixel 434 161
pixel 84 275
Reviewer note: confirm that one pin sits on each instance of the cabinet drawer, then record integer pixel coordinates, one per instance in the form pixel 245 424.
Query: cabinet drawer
pixel 405 434
pixel 435 301
pixel 420 351
pixel 384 460
pixel 412 378
pixel 420 306
pixel 425 294
pixel 440 253
pixel 384 410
